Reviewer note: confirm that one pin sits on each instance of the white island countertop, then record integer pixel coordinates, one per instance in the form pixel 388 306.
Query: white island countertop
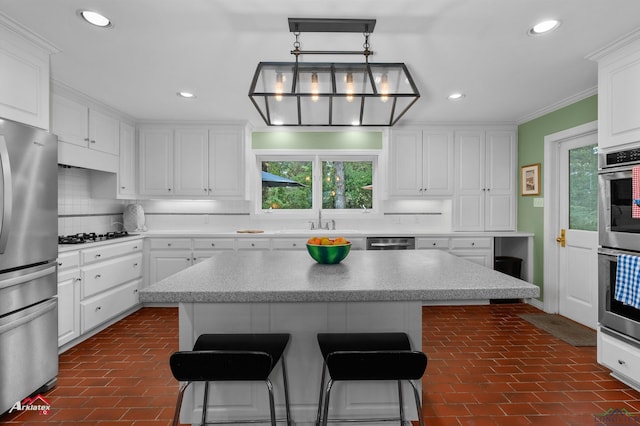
pixel 293 276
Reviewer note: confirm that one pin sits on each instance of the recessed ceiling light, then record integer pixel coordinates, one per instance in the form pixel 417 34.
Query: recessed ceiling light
pixel 544 27
pixel 187 95
pixel 95 18
pixel 455 96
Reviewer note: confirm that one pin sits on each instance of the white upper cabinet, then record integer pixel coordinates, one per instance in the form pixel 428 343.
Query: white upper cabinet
pixel 619 95
pixel 192 161
pixel 226 162
pixel 24 75
pixel 421 163
pixel 79 125
pixel 485 180
pixel 128 161
pixel 156 161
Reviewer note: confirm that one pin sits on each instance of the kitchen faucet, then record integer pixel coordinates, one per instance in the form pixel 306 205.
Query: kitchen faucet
pixel 319 225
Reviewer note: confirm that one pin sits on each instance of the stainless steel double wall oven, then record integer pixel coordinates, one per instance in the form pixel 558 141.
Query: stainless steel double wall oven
pixel 619 233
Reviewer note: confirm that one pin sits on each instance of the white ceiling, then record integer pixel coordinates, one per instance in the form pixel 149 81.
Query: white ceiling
pixel 211 47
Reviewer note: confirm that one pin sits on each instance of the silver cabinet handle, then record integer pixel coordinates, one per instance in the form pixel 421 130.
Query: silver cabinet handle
pixel 98 308
pixel 295 245
pixel 213 244
pixel 168 244
pixel 168 189
pixel 621 362
pixel 98 276
pixel 135 248
pixel 59 263
pixel 93 141
pixel 135 265
pixel 97 256
pixel 86 139
pixel 122 187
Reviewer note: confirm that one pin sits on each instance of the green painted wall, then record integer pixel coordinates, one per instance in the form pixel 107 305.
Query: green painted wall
pixel 316 140
pixel 530 151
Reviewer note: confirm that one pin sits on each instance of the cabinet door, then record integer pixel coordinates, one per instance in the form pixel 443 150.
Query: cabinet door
pixel 156 161
pixel 500 197
pixel 468 202
pixel 104 132
pixel 128 161
pixel 24 81
pixel 619 98
pixel 68 307
pixel 163 263
pixel 226 162
pixel 437 162
pixel 406 163
pixel 70 121
pixel 191 162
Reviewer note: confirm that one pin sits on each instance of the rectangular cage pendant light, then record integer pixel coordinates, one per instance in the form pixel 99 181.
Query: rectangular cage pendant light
pixel 332 94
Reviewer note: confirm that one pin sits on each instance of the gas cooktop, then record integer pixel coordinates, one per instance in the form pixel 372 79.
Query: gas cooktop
pixel 91 237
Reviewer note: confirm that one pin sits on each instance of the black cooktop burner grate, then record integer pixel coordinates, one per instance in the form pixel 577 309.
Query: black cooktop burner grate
pixel 90 237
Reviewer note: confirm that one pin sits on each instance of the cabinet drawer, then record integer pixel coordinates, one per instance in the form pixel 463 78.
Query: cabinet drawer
pixel 471 243
pixel 289 244
pixel 68 260
pixel 110 250
pixel 619 356
pixel 432 243
pixel 105 275
pixel 253 244
pixel 214 244
pixel 97 310
pixel 170 243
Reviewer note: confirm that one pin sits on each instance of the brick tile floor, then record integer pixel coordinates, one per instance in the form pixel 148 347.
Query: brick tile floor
pixel 487 366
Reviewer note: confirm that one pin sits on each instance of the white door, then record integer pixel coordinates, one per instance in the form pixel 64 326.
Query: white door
pixel 578 222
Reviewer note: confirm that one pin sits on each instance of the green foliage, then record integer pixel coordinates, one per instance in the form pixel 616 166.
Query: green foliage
pixel 583 188
pixel 344 185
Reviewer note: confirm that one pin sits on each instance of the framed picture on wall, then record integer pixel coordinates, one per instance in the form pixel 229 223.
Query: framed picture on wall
pixel 530 179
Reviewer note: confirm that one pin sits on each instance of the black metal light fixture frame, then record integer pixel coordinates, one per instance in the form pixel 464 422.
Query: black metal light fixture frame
pixel 332 94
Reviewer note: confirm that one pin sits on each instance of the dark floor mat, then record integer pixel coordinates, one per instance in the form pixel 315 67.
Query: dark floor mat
pixel 569 331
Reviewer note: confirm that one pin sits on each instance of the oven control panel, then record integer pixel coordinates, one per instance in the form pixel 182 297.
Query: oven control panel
pixel 622 157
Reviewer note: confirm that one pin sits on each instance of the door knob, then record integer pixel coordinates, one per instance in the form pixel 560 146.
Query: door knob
pixel 562 239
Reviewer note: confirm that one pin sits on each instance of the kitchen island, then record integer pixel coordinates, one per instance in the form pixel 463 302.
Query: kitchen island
pixel 286 291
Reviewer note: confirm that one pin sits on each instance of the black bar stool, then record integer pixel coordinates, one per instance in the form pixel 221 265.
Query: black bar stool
pixel 231 357
pixel 369 356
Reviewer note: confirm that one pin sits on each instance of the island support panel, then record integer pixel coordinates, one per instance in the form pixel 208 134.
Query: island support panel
pixel 229 401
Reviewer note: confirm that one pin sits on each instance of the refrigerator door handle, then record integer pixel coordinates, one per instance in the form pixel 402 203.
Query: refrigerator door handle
pixel 27 277
pixel 6 195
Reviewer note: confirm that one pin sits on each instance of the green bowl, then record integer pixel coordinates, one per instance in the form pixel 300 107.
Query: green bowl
pixel 328 255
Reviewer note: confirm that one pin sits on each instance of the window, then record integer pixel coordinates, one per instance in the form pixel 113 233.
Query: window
pixel 287 185
pixel 347 184
pixel 341 183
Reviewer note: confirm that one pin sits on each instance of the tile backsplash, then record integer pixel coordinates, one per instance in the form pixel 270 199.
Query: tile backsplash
pixel 78 211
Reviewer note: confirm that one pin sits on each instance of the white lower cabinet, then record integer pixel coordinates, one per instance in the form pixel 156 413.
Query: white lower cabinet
pixel 95 285
pixel 621 356
pixel 163 263
pixel 475 249
pixel 68 297
pixel 99 309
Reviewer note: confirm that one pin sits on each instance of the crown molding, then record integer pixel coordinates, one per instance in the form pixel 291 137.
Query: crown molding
pixel 558 105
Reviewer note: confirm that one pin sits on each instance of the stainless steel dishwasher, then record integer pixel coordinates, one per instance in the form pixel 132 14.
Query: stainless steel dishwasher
pixel 391 243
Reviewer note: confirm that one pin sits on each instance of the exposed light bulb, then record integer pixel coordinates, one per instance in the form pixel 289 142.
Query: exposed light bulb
pixel 350 89
pixel 384 87
pixel 315 89
pixel 279 87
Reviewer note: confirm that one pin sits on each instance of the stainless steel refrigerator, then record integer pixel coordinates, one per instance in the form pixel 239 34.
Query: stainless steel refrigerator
pixel 28 251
